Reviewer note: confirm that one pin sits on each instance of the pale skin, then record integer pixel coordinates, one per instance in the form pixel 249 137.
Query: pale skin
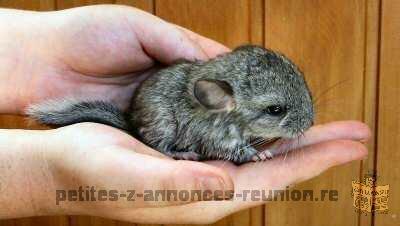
pixel 104 52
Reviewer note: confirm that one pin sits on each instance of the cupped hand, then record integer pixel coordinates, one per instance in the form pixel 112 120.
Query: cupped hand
pixel 322 147
pixel 108 158
pixel 100 52
pixel 90 155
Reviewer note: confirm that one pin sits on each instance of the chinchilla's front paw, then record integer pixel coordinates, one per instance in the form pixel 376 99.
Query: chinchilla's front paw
pixel 245 155
pixel 262 156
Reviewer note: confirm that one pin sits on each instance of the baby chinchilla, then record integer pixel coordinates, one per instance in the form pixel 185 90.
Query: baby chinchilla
pixel 218 109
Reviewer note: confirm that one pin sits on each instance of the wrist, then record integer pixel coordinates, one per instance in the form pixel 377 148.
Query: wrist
pixel 27 186
pixel 23 40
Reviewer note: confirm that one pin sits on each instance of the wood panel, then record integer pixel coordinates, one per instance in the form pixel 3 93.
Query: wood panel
pixel 371 59
pixel 41 5
pixel 64 4
pixel 227 21
pixel 147 5
pixel 326 39
pixel 388 157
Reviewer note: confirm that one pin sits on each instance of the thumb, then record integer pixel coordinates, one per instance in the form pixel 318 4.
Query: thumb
pixel 164 41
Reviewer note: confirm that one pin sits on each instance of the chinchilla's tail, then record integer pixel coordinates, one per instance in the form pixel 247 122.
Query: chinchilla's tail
pixel 68 111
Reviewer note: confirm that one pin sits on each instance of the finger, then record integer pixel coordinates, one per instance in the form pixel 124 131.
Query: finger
pixel 274 174
pixel 347 130
pixel 210 47
pixel 149 175
pixel 299 165
pixel 164 41
pixel 281 172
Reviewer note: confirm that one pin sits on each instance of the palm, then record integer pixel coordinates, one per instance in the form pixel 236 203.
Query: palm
pixel 99 58
pixel 322 146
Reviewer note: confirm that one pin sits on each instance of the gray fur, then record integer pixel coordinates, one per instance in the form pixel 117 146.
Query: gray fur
pixel 166 115
pixel 69 111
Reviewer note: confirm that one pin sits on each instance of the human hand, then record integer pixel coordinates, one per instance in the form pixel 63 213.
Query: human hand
pixel 101 52
pixel 323 146
pixel 96 155
pixel 40 168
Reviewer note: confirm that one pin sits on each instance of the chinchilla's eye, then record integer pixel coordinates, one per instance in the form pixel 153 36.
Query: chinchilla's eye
pixel 275 110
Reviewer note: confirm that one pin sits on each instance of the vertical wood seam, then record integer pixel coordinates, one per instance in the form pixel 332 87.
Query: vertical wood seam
pixel 264 41
pixel 364 88
pixel 379 53
pixel 364 85
pixel 263 30
pixel 371 50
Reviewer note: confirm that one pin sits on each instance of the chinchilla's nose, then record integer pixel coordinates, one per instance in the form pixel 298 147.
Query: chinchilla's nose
pixel 298 121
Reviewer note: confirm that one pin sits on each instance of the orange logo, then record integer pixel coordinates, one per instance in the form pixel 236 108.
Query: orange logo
pixel 369 197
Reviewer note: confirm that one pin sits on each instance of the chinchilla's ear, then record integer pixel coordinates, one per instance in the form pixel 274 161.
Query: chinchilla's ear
pixel 214 95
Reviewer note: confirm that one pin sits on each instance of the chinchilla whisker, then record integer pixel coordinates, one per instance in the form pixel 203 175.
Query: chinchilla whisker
pixel 295 144
pixel 299 141
pixel 328 102
pixel 258 142
pixel 329 89
pixel 318 111
pixel 265 141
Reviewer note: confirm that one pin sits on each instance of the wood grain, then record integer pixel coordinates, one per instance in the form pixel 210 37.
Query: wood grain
pixel 147 5
pixel 326 39
pixel 228 22
pixel 388 157
pixel 257 28
pixel 65 4
pixel 38 5
pixel 371 61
